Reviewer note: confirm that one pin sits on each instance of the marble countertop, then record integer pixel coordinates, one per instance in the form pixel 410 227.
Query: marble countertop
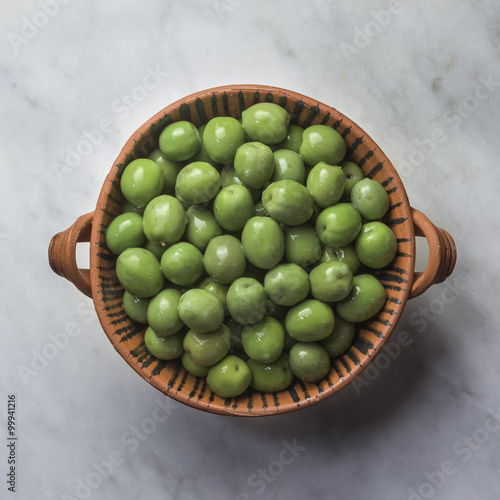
pixel 78 78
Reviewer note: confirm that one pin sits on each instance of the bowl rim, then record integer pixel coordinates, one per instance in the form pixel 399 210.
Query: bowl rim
pixel 126 155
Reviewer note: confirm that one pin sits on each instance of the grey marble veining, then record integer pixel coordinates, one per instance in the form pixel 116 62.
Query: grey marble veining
pixel 422 79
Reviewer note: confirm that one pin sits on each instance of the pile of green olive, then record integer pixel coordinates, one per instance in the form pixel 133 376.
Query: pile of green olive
pixel 248 248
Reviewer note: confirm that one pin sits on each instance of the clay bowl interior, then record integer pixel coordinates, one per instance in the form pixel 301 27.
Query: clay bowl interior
pixel 169 376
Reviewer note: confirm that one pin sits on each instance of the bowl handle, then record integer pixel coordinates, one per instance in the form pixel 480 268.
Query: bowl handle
pixel 62 253
pixel 442 254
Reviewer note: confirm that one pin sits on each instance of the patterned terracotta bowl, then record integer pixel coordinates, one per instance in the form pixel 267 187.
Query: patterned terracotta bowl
pixel 399 278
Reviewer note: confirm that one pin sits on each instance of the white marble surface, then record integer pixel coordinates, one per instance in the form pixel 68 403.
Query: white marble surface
pixel 422 78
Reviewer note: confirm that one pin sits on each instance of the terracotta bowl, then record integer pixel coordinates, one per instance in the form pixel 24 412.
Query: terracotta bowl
pixel 399 278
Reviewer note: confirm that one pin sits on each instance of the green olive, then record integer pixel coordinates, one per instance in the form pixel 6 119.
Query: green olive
pixel 288 202
pixel 198 182
pixel 206 349
pixel 201 227
pixel 288 165
pixel 365 300
pixel 309 361
pixel 310 320
pixel 165 348
pixel 182 264
pixel 222 137
pixel 162 314
pixel 254 164
pixel 224 259
pixel 322 143
pixel 263 341
pixel 263 242
pixel 302 246
pixel 271 377
pixel 341 339
pixel 141 181
pixel 201 310
pixel 246 301
pixel 326 183
pixel 230 377
pixel 180 141
pixel 164 220
pixel 125 231
pixel 135 308
pixel 139 272
pixel 266 122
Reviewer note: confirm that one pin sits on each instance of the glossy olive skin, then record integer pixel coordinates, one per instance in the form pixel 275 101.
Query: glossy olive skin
pixel 293 138
pixel 233 207
pixel 288 165
pixel 224 259
pixel 179 141
pixel 222 137
pixel 338 225
pixel 344 253
pixel 164 220
pixel 331 281
pixel 271 377
pixel 302 245
pixel 141 181
pixel 288 202
pixel 326 183
pixel 125 231
pixel 230 377
pixel 365 300
pixel 370 198
pixel 254 164
pixel 170 170
pixel 201 227
pixel 353 174
pixel 310 320
pixel 139 272
pixel 182 264
pixel 136 308
pixel 376 245
pixel 322 143
pixel 287 284
pixel 165 348
pixel 266 122
pixel 198 182
pixel 246 300
pixel 201 310
pixel 341 339
pixel 263 341
pixel 207 348
pixel 162 314
pixel 192 367
pixel 263 242
pixel 309 361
